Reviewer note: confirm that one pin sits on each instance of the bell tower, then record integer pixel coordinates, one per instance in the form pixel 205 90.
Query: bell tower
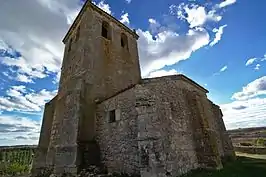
pixel 100 60
pixel 102 50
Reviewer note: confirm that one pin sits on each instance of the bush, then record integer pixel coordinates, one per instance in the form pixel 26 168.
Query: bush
pixel 246 144
pixel 13 169
pixel 261 142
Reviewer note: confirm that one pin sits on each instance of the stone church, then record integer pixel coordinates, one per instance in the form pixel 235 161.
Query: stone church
pixel 106 115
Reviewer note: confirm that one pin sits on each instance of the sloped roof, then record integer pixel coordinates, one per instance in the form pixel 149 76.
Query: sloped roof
pixel 157 79
pixel 175 77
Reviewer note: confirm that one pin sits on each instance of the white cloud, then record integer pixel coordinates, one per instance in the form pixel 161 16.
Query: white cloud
pixel 72 16
pixel 104 6
pixel 25 72
pixel 18 130
pixel 195 15
pixel 57 78
pixel 264 58
pixel 257 60
pixel 124 19
pixel 18 99
pixel 160 73
pixel 128 1
pixel 69 8
pixel 41 97
pixel 218 35
pixel 19 122
pixel 24 78
pixel 41 49
pixel 168 47
pixel 251 90
pixel 155 26
pixel 245 113
pixel 20 88
pixel 226 3
pixel 223 69
pixel 248 110
pixel 250 61
pixel 6 48
pixel 212 16
pixel 257 67
pixel 152 21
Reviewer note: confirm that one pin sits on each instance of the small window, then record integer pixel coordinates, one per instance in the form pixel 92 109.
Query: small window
pixel 69 45
pixel 124 42
pixel 78 34
pixel 112 116
pixel 105 30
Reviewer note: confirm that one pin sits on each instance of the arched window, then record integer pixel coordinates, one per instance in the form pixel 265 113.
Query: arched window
pixel 106 30
pixel 124 42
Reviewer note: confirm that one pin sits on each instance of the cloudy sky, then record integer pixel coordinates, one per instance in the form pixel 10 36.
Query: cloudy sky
pixel 219 44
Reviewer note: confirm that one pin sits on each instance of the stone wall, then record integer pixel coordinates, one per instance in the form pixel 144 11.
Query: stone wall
pixel 165 143
pixel 39 163
pixel 165 136
pixel 166 126
pixel 118 140
pixel 175 135
pixel 217 127
pixel 204 139
pixel 66 147
pixel 227 151
pixel 63 150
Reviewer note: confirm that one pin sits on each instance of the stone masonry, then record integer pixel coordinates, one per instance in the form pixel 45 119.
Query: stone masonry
pixel 105 115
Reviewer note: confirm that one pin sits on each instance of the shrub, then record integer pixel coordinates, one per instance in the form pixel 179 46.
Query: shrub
pixel 246 144
pixel 261 142
pixel 13 169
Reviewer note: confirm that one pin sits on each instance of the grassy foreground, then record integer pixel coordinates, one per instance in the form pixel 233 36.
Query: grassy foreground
pixel 242 167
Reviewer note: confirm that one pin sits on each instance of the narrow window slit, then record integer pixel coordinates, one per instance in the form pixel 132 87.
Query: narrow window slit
pixel 105 30
pixel 112 117
pixel 124 41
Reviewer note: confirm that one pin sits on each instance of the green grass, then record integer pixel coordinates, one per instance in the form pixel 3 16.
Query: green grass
pixel 242 167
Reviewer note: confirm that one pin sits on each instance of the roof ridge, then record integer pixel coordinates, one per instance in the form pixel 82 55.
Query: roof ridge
pixel 177 76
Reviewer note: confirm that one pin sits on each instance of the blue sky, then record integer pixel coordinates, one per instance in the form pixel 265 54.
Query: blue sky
pixel 219 44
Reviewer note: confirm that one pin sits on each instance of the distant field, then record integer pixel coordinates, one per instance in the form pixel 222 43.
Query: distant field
pixel 248 136
pixel 255 156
